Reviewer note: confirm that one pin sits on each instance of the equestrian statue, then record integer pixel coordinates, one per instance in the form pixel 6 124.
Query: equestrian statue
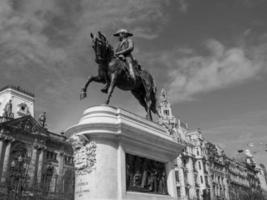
pixel 119 69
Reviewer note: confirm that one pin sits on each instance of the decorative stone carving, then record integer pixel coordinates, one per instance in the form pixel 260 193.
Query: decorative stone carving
pixel 166 118
pixel 42 119
pixel 8 110
pixel 7 138
pixel 23 109
pixel 145 175
pixel 39 144
pixel 84 154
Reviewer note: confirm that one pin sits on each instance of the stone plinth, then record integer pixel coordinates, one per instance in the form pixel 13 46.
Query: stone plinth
pixel 101 141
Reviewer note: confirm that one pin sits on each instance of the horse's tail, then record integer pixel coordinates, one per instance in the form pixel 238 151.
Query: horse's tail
pixel 150 88
pixel 154 96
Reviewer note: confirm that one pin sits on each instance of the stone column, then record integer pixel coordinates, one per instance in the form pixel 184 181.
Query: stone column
pixel 226 188
pixel 1 146
pixel 59 183
pixel 1 150
pixel 191 181
pixel 32 167
pixel 181 177
pixel 171 183
pixel 6 158
pixel 121 172
pixel 40 165
pixel 210 181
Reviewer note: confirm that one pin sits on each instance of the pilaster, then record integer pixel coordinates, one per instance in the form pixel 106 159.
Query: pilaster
pixel 40 163
pixel 9 141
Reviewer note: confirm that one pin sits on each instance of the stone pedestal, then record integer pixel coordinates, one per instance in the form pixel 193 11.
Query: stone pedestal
pixel 101 141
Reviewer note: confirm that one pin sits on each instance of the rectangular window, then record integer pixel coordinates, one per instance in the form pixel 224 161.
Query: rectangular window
pixel 178 191
pixel 166 112
pixel 201 179
pixel 177 176
pixel 199 165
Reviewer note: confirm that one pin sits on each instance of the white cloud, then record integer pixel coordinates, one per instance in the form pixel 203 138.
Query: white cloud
pixel 238 132
pixel 50 38
pixel 222 67
pixel 183 5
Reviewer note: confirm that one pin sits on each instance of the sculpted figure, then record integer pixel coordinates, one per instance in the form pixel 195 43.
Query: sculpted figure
pixel 137 175
pixel 152 181
pixel 124 49
pixel 162 184
pixel 119 69
pixel 8 110
pixel 42 119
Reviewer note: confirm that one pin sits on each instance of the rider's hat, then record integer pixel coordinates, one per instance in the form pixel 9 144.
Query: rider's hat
pixel 127 33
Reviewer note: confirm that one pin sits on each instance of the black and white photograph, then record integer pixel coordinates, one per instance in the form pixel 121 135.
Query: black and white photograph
pixel 133 99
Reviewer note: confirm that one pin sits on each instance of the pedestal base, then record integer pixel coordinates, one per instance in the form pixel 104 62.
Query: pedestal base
pixel 101 141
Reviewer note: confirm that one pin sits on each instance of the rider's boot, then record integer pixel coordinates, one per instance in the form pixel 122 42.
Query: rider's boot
pixel 105 88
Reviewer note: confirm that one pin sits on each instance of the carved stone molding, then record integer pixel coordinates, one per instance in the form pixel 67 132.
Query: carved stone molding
pixel 84 154
pixel 61 153
pixel 7 138
pixel 2 136
pixel 39 145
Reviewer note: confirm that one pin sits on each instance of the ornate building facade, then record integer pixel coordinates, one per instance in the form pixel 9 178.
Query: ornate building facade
pixel 191 171
pixel 203 171
pixel 217 172
pixel 34 162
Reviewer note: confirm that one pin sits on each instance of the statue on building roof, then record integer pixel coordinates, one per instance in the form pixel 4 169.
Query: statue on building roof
pixel 163 96
pixel 42 119
pixel 8 110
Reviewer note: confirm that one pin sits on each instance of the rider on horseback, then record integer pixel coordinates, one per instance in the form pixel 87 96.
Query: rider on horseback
pixel 124 49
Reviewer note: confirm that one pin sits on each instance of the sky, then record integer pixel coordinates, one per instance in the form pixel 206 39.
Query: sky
pixel 209 55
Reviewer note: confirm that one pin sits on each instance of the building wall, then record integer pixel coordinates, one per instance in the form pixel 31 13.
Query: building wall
pixel 261 177
pixel 18 98
pixel 47 163
pixel 30 155
pixel 203 171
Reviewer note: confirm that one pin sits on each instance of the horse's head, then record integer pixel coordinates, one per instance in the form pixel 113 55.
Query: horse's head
pixel 103 50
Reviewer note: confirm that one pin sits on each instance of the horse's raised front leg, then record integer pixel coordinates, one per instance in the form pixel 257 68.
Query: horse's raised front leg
pixel 111 86
pixel 89 80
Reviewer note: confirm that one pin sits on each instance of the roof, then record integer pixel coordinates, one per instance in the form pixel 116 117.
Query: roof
pixel 17 88
pixel 30 125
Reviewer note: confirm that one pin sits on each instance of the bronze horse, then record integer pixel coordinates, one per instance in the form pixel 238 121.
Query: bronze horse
pixel 113 71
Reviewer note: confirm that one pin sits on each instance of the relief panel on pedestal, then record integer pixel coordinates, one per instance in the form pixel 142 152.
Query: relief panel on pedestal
pixel 145 175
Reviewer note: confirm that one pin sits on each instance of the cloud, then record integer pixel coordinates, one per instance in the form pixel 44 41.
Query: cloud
pixel 183 5
pixel 49 39
pixel 221 67
pixel 238 132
